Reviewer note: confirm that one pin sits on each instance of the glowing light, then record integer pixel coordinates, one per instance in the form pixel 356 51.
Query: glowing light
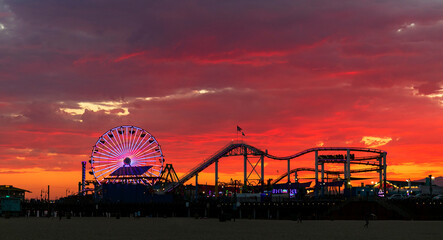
pixel 2 27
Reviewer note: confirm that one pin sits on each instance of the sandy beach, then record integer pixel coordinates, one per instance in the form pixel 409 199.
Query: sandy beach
pixel 189 228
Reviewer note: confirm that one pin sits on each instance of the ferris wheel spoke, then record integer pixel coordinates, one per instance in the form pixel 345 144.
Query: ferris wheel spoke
pixel 146 156
pixel 105 167
pixel 138 139
pixel 132 137
pixel 124 138
pixel 104 162
pixel 117 141
pixel 104 142
pixel 146 161
pixel 121 137
pixel 142 139
pixel 107 155
pixel 100 161
pixel 109 146
pixel 101 150
pixel 145 151
pixel 113 142
pixel 134 140
pixel 102 168
pixel 129 137
pixel 112 148
pixel 143 146
pixel 100 157
pixel 108 171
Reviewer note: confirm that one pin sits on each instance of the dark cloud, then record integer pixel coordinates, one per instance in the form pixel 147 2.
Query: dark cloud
pixel 430 87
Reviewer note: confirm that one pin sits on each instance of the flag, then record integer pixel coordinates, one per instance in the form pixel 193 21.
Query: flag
pixel 242 133
pixel 239 129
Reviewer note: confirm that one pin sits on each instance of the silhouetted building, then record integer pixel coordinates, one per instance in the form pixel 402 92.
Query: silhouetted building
pixel 9 191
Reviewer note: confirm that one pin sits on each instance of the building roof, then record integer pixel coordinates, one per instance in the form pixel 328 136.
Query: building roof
pixel 130 171
pixel 12 188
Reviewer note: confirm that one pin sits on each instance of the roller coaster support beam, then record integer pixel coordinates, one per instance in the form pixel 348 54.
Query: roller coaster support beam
pixel 245 173
pixel 216 178
pixel 83 179
pixel 380 172
pixel 289 170
pixel 196 186
pixel 262 163
pixel 316 174
pixel 348 169
pixel 322 179
pixel 384 173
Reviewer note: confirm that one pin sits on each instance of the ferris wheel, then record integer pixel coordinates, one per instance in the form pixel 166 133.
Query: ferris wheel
pixel 127 154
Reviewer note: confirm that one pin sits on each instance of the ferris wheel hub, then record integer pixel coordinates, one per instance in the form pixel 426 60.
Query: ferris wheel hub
pixel 127 161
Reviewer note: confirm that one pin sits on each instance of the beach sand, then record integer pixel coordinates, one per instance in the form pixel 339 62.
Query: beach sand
pixel 190 228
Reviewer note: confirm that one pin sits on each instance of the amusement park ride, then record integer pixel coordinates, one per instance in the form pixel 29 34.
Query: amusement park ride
pixel 131 155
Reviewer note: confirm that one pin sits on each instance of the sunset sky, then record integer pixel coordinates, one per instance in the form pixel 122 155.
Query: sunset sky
pixel 292 74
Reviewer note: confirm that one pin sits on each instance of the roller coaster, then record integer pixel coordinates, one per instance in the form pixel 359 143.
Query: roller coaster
pixel 377 161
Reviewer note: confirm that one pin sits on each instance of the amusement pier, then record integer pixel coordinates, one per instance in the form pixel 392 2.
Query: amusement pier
pixel 132 178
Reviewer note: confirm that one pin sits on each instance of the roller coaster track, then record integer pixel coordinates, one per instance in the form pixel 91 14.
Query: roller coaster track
pixel 229 150
pixel 327 171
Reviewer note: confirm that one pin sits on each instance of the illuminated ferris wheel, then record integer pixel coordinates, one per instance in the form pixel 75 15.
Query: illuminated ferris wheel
pixel 127 154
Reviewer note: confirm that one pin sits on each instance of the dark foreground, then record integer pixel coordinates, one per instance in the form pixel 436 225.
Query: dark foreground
pixel 190 228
